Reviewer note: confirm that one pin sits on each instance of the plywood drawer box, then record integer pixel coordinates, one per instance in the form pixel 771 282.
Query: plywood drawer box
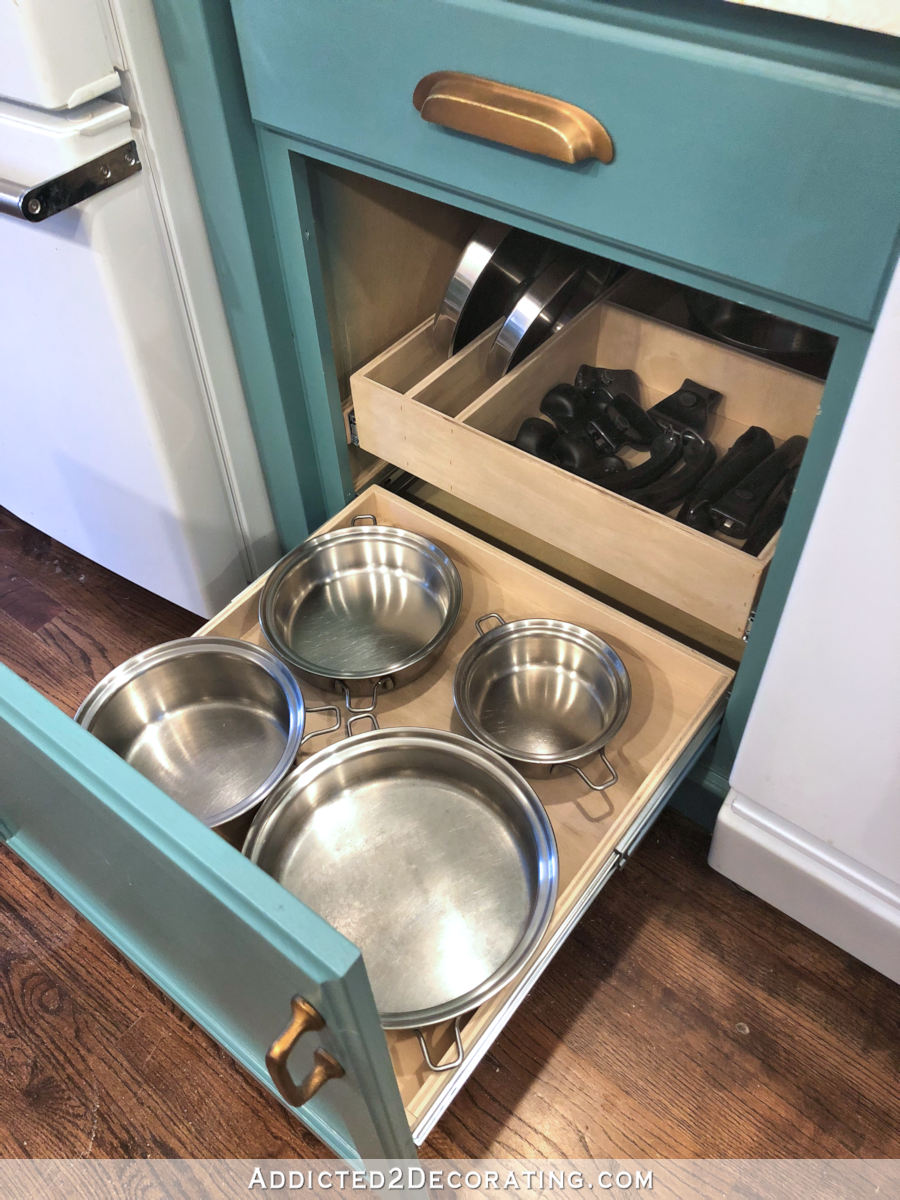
pixel 232 947
pixel 445 422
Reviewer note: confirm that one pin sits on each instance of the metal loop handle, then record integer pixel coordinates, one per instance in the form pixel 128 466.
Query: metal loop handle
pixel 367 716
pixel 488 617
pixel 332 708
pixel 303 1019
pixel 460 1053
pixel 363 517
pixel 595 787
pixel 379 683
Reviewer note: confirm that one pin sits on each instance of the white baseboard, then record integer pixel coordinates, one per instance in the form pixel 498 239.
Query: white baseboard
pixel 809 882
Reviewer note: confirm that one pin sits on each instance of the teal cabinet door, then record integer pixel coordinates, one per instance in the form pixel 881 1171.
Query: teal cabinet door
pixel 228 944
pixel 729 158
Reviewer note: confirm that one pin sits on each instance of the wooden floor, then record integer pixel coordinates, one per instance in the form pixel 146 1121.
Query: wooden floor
pixel 682 1018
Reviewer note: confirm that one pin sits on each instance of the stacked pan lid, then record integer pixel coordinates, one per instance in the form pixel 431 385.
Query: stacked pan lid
pixel 532 285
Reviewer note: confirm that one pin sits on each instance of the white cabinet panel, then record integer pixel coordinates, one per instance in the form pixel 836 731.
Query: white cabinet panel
pixel 822 747
pixel 814 815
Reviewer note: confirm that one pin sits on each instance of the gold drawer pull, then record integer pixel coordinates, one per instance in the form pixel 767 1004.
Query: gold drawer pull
pixel 525 120
pixel 304 1018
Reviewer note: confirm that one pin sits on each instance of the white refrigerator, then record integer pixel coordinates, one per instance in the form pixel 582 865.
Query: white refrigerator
pixel 125 434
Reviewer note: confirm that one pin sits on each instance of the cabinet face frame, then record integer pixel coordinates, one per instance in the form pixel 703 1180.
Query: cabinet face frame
pixel 276 287
pixel 736 163
pixel 287 174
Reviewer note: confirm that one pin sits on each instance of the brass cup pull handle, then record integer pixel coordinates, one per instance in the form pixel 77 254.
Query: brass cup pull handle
pixel 303 1019
pixel 514 117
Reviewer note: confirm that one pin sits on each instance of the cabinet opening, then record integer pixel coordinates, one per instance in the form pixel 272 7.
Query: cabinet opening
pixel 456 423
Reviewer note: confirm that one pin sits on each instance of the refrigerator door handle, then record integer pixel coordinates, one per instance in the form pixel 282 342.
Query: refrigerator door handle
pixel 54 195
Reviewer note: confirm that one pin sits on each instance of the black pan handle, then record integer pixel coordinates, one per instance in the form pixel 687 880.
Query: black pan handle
pixel 770 517
pixel 698 456
pixel 566 407
pixel 665 452
pixel 580 455
pixel 688 408
pixel 639 427
pixel 747 452
pixel 734 512
pixel 536 436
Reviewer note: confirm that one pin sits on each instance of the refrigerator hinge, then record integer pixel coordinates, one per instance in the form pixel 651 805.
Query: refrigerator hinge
pixel 55 195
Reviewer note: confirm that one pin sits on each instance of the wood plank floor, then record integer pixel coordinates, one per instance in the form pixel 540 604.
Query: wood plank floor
pixel 682 1018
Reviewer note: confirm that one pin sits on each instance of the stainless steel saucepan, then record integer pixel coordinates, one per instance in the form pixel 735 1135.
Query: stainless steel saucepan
pixel 542 693
pixel 428 852
pixel 215 722
pixel 361 608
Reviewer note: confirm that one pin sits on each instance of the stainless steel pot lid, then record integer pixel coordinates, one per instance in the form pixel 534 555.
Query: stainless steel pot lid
pixel 214 722
pixel 541 691
pixel 360 603
pixel 535 315
pixel 599 276
pixel 495 266
pixel 428 852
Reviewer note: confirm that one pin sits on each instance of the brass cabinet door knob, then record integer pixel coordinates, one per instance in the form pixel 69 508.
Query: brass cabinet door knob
pixel 304 1018
pixel 512 116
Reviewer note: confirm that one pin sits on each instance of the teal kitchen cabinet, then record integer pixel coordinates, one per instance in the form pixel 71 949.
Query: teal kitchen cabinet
pixel 755 157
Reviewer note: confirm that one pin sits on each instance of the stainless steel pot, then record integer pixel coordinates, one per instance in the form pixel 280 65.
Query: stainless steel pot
pixel 362 608
pixel 214 722
pixel 428 852
pixel 542 693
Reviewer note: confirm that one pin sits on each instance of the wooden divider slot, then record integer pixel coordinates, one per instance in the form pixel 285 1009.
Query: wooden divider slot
pixel 448 424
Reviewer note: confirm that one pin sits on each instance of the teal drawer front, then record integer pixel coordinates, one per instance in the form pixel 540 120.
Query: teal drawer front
pixel 225 941
pixel 770 174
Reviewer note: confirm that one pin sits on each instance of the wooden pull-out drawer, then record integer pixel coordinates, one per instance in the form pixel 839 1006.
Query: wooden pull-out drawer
pixel 235 950
pixel 678 695
pixel 445 422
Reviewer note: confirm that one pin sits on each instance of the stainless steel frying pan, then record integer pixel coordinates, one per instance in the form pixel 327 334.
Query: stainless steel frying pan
pixel 430 853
